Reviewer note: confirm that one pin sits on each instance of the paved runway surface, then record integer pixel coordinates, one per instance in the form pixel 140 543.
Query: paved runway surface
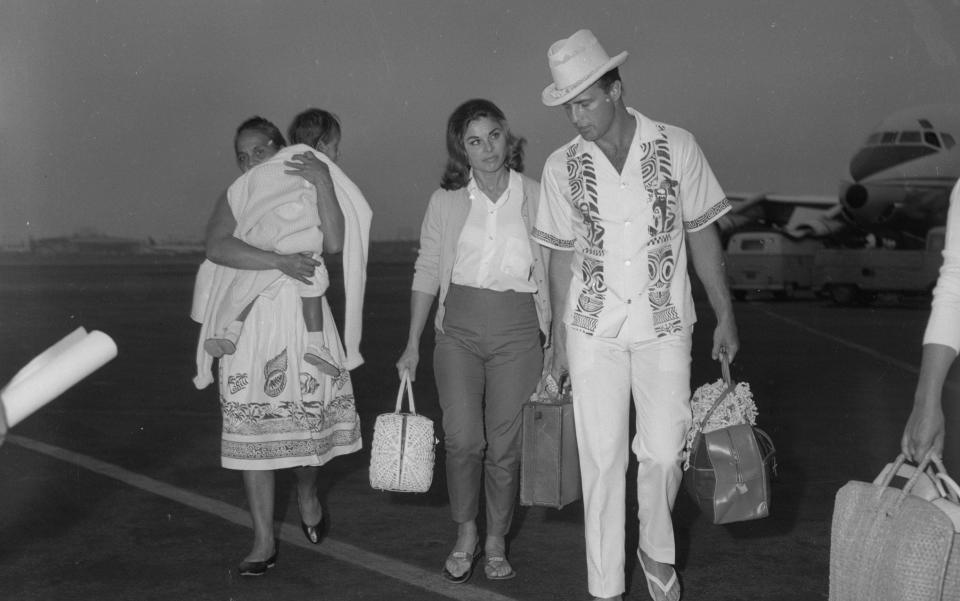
pixel 114 491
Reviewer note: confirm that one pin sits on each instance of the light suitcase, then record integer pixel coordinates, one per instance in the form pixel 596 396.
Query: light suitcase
pixel 550 468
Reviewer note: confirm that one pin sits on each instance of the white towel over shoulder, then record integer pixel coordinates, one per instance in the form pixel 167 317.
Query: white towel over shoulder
pixel 264 202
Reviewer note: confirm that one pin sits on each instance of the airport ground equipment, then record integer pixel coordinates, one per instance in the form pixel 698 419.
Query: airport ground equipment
pixel 770 261
pixel 856 276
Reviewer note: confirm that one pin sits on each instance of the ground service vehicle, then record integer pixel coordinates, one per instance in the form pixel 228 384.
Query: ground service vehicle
pixel 770 260
pixel 858 275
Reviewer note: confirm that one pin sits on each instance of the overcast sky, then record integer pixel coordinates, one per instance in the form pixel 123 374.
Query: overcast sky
pixel 118 115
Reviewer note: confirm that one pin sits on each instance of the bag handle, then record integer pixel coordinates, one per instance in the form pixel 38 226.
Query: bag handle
pixel 931 461
pixel 948 487
pixel 730 387
pixel 953 489
pixel 894 468
pixel 405 383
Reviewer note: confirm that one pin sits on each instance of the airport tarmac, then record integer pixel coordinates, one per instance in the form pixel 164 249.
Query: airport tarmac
pixel 115 490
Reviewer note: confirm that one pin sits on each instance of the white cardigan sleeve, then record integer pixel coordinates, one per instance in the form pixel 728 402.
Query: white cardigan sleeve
pixel 944 324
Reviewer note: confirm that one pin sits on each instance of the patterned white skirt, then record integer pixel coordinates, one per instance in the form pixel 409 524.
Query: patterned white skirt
pixel 278 410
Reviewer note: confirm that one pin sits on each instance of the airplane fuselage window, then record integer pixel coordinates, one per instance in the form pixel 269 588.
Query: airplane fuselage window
pixel 889 137
pixel 931 138
pixel 910 137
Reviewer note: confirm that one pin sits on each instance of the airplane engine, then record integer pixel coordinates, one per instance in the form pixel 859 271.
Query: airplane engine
pixel 871 206
pixel 893 210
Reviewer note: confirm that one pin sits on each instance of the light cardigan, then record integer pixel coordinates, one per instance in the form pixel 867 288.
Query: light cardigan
pixel 220 295
pixel 943 327
pixel 446 214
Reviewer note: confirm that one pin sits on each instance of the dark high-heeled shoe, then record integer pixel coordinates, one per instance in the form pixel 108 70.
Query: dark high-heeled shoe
pixel 316 533
pixel 259 568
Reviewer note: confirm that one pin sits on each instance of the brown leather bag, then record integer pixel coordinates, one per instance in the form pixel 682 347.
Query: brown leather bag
pixel 550 467
pixel 730 468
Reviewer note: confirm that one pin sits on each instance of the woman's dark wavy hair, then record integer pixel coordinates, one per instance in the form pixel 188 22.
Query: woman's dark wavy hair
pixel 263 126
pixel 457 173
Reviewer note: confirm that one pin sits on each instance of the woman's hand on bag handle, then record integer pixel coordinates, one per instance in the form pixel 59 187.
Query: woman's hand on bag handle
pixel 924 432
pixel 420 303
pixel 925 426
pixel 408 363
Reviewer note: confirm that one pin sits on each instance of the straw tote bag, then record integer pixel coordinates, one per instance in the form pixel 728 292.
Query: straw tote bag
pixel 897 544
pixel 402 456
pixel 730 468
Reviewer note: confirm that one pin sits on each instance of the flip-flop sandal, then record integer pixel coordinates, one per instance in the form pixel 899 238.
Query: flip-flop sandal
pixel 465 557
pixel 660 591
pixel 493 566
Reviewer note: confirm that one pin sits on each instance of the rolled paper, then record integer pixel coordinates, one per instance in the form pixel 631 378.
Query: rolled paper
pixel 3 424
pixel 55 370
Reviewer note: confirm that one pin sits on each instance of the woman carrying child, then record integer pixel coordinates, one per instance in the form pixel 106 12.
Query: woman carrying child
pixel 280 410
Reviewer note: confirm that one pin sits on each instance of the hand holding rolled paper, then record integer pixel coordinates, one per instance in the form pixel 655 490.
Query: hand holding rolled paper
pixel 52 372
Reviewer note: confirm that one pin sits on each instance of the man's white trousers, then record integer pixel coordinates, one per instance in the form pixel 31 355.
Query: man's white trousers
pixel 604 372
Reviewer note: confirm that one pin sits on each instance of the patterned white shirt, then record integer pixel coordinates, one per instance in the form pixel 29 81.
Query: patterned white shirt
pixel 627 229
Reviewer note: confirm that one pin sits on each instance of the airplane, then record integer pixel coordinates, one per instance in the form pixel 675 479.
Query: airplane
pixel 899 186
pixel 902 176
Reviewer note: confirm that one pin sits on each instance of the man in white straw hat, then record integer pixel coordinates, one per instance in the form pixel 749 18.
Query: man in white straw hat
pixel 620 207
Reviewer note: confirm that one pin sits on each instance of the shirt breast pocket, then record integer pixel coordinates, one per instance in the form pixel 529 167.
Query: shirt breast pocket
pixel 517 261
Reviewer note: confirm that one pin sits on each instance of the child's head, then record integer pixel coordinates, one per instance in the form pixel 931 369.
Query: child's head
pixel 319 129
pixel 256 141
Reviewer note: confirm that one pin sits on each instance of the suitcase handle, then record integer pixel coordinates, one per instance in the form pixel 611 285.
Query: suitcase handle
pixel 405 383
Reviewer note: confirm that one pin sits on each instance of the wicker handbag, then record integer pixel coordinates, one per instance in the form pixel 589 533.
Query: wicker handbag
pixel 401 459
pixel 893 544
pixel 730 468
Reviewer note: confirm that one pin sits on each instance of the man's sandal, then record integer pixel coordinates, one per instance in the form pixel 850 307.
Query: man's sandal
pixel 658 590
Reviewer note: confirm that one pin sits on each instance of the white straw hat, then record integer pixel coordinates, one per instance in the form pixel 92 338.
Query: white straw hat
pixel 575 64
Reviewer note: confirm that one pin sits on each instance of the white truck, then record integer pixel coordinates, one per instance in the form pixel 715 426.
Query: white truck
pixel 851 276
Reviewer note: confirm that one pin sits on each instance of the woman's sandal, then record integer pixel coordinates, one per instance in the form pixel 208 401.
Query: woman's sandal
pixel 493 568
pixel 658 590
pixel 459 558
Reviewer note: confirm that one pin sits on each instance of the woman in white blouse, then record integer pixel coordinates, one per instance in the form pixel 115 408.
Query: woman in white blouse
pixel 477 257
pixel 941 341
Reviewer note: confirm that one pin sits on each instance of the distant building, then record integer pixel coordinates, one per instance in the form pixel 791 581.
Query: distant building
pixel 100 244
